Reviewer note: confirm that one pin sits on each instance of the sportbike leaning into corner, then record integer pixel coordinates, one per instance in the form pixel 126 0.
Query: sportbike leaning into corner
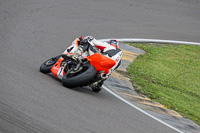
pixel 87 62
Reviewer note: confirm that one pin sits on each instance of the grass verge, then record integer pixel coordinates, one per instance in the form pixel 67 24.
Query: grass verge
pixel 169 74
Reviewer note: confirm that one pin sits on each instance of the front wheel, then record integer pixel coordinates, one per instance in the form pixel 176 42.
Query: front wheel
pixel 81 78
pixel 47 65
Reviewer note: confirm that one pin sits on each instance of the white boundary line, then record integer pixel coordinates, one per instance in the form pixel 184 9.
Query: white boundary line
pixel 134 40
pixel 127 102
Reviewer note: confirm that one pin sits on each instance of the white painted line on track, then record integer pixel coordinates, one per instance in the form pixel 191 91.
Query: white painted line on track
pixel 137 40
pixel 132 105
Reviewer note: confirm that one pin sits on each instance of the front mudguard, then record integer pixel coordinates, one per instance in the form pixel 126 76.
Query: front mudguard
pixel 44 68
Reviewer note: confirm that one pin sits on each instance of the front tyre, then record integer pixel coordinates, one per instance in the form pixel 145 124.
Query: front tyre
pixel 82 78
pixel 47 65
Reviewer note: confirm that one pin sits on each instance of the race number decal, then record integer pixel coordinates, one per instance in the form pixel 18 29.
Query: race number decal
pixel 117 59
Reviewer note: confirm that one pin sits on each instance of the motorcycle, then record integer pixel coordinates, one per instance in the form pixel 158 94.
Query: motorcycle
pixel 87 71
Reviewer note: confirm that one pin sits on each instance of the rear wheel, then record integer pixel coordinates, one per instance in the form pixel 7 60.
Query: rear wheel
pixel 81 77
pixel 47 65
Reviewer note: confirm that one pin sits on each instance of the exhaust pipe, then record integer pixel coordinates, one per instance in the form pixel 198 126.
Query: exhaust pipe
pixel 104 76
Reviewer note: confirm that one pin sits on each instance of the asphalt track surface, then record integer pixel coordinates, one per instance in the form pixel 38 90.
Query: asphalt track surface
pixel 33 31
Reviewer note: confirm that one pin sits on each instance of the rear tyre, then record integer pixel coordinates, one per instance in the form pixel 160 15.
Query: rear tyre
pixel 47 65
pixel 82 78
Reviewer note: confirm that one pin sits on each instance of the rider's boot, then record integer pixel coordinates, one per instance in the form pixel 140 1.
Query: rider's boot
pixel 97 86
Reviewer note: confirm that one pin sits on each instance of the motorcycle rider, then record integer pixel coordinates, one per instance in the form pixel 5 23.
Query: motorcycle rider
pixel 88 45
